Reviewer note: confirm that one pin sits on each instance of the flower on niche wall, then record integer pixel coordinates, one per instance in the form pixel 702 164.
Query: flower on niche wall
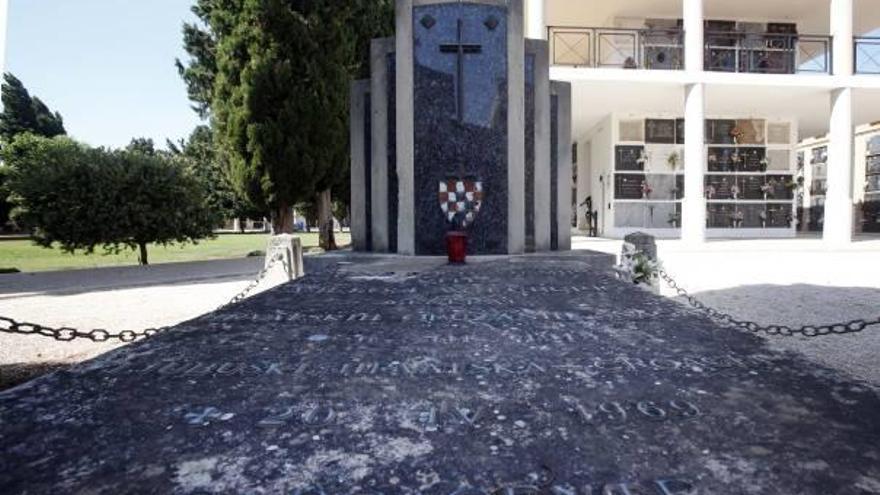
pixel 646 189
pixel 736 133
pixel 736 218
pixel 710 192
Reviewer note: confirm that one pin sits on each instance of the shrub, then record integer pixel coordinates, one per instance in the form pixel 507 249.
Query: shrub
pixel 81 198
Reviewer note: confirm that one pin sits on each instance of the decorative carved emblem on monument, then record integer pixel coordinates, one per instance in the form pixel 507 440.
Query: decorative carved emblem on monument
pixel 460 201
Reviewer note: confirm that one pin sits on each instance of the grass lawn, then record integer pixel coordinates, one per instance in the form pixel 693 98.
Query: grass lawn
pixel 28 257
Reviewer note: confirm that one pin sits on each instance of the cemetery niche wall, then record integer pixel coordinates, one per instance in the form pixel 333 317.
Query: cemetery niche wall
pixel 460 128
pixel 750 171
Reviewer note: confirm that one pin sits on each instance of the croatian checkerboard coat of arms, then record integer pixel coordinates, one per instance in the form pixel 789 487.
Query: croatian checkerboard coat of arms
pixel 460 201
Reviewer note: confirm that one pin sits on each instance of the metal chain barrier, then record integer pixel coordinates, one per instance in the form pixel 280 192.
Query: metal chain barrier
pixel 67 334
pixel 256 281
pixel 853 326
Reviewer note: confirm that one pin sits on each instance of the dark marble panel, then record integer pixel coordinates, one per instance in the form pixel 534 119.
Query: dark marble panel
pixel 554 173
pixel 871 213
pixel 751 160
pixel 627 157
pixel 719 131
pixel 751 186
pixel 530 151
pixel 679 131
pixel 721 159
pixel 873 165
pixel 476 146
pixel 750 216
pixel 368 169
pixel 779 187
pixel 721 187
pixel 777 216
pixel 393 200
pixel 629 186
pixel 736 159
pixel 660 131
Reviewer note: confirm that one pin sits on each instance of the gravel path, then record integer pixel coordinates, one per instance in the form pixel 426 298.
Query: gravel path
pixel 112 298
pixel 794 282
pixel 798 305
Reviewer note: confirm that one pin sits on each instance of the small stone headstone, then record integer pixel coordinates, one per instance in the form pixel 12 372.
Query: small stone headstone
pixel 290 249
pixel 643 243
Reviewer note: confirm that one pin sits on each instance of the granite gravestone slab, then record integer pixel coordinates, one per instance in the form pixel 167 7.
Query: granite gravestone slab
pixel 520 376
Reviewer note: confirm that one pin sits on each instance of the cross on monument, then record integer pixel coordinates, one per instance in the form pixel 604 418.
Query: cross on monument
pixel 460 48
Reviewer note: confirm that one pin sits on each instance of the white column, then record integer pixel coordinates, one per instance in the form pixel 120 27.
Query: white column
pixel 535 23
pixel 405 139
pixel 693 35
pixel 838 198
pixel 842 31
pixel 693 215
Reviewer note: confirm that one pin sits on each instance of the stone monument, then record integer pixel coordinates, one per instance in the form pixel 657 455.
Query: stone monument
pixel 459 96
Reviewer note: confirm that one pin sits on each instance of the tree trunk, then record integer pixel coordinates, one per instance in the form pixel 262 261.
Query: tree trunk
pixel 142 256
pixel 326 238
pixel 282 220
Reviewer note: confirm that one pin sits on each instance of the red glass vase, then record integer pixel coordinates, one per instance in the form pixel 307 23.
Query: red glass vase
pixel 456 247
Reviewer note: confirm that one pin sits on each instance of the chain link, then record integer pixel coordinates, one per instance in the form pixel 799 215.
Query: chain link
pixel 256 281
pixel 853 326
pixel 68 334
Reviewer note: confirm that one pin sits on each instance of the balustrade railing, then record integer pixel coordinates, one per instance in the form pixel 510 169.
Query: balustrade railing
pixel 615 47
pixel 867 54
pixel 763 53
pixel 767 53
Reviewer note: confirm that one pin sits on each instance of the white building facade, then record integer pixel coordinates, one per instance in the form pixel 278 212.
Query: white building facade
pixel 687 114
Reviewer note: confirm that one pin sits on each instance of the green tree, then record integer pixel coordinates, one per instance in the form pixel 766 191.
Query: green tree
pixel 5 205
pixel 274 74
pixel 23 113
pixel 200 156
pixel 142 145
pixel 81 198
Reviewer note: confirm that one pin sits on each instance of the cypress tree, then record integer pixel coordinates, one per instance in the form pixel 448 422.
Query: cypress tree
pixel 22 113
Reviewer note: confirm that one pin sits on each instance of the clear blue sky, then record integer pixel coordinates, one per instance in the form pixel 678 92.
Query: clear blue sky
pixel 106 65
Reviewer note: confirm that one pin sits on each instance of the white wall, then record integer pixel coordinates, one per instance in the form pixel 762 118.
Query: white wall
pixel 601 162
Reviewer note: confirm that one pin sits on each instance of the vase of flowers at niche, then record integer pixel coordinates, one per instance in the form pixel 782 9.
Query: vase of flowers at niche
pixel 672 160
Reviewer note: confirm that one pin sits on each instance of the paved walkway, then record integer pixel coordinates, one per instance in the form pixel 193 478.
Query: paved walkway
pixel 507 376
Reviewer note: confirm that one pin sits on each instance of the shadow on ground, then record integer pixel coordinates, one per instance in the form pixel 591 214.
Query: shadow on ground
pixel 798 305
pixel 15 374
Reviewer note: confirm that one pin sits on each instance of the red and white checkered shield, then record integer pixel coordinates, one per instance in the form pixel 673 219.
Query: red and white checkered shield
pixel 460 200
